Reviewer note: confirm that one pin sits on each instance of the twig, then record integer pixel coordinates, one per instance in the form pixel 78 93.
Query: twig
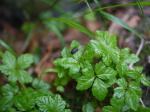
pixel 138 51
pixel 131 65
pixel 140 47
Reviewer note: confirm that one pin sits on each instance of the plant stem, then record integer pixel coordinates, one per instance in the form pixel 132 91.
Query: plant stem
pixel 88 5
pixel 142 102
pixel 138 51
pixel 131 65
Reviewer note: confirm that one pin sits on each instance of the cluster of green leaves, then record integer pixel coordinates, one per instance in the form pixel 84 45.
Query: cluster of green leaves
pixel 102 67
pixel 24 93
pixel 99 66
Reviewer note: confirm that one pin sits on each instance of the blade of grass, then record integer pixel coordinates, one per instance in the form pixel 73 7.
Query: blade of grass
pixel 147 28
pixel 96 1
pixel 1 54
pixel 27 41
pixel 88 5
pixel 6 46
pixel 119 22
pixel 123 5
pixel 140 7
pixel 59 35
pixel 142 3
pixel 72 23
pixel 28 30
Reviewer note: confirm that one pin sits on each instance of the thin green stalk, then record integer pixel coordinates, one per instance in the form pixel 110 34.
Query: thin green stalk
pixel 88 5
pixel 6 46
pixel 27 41
pixel 121 5
pixel 59 35
pixel 96 2
pixel 140 7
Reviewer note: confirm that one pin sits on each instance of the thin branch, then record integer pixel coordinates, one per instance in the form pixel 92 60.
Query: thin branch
pixel 138 52
pixel 131 65
pixel 140 47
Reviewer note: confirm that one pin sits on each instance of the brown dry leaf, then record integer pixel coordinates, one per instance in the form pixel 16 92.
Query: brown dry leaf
pixel 93 25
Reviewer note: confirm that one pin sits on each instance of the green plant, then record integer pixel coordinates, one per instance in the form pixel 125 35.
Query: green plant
pixel 99 68
pixel 22 92
pixel 103 68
